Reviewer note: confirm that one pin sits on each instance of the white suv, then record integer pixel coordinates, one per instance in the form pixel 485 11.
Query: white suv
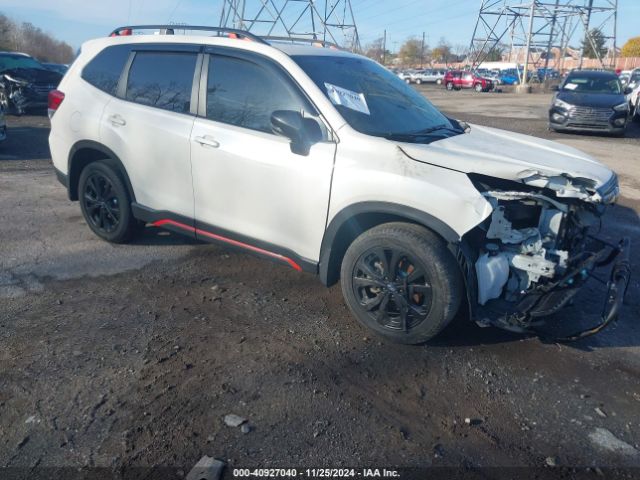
pixel 324 161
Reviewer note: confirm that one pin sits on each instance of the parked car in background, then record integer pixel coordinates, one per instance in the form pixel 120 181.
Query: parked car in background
pixel 590 101
pixel 406 75
pixel 24 82
pixel 547 74
pixel 633 99
pixel 57 67
pixel 458 79
pixel 509 77
pixel 428 75
pixel 3 126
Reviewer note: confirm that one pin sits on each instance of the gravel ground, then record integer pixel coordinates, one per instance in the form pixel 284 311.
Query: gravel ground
pixel 130 356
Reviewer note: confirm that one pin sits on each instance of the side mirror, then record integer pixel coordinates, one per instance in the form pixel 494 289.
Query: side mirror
pixel 290 124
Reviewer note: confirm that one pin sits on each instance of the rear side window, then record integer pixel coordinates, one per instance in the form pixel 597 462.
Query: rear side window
pixel 162 80
pixel 104 70
pixel 245 94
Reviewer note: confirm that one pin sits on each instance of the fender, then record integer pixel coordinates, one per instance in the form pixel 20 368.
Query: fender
pixel 72 175
pixel 346 222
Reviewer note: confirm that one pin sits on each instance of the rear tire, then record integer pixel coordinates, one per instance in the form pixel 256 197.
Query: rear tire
pixel 439 81
pixel 449 86
pixel 479 88
pixel 419 82
pixel 401 281
pixel 636 111
pixel 105 202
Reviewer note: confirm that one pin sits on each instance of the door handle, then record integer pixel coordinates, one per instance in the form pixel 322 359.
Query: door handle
pixel 207 141
pixel 117 120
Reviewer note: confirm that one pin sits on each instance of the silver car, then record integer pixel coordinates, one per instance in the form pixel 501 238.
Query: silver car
pixel 428 76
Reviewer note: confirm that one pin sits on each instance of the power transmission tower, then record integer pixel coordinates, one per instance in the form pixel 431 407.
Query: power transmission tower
pixel 326 20
pixel 534 28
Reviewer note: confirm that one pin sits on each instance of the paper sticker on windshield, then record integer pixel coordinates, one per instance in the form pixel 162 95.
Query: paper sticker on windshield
pixel 571 86
pixel 347 98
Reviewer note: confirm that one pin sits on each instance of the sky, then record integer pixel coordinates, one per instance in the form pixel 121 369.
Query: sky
pixel 76 21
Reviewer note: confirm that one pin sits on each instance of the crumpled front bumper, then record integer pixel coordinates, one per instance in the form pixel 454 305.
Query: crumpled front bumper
pixel 551 297
pixel 616 290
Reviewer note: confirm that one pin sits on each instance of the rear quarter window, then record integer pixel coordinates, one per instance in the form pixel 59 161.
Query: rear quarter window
pixel 103 72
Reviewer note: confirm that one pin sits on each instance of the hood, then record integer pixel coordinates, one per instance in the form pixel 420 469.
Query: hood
pixel 37 76
pixel 595 100
pixel 521 158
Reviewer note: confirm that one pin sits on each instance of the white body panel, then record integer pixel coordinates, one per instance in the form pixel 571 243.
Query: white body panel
pixel 370 169
pixel 154 147
pixel 253 185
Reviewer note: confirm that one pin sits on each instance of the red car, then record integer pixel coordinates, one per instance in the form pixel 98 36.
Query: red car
pixel 457 79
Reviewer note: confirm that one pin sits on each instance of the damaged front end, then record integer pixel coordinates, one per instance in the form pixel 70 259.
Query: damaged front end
pixel 538 248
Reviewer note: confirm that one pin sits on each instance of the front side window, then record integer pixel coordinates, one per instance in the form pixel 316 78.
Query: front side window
pixel 374 101
pixel 245 94
pixel 162 80
pixel 104 70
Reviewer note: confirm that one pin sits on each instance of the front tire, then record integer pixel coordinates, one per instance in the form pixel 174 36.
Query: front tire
pixel 479 88
pixel 439 81
pixel 449 86
pixel 105 202
pixel 419 82
pixel 401 281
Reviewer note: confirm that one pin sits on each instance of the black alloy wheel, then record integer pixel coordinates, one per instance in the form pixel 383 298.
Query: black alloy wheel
pixel 105 201
pixel 393 288
pixel 101 203
pixel 401 281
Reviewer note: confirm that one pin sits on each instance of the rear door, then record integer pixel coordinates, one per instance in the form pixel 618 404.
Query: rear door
pixel 148 124
pixel 248 184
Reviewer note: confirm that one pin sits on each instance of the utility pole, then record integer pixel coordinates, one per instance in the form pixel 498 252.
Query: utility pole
pixel 525 80
pixel 384 47
pixel 422 50
pixel 587 34
pixel 330 20
pixel 552 35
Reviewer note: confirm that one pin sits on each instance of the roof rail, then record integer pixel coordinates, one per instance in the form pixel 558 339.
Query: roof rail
pixel 312 41
pixel 171 28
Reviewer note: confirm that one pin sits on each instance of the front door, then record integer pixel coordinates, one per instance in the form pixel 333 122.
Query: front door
pixel 249 186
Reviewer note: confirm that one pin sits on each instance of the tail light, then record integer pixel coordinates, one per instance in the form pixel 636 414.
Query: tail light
pixel 55 100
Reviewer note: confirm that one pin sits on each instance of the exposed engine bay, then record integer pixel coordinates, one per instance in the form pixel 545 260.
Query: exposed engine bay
pixel 534 252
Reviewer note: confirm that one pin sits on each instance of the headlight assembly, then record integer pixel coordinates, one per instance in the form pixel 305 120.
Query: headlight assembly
pixel 20 83
pixel 623 107
pixel 562 104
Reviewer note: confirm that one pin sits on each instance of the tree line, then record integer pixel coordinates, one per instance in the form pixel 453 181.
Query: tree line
pixel 27 38
pixel 415 52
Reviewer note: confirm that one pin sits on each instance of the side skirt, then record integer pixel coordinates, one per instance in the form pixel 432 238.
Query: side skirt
pixel 209 233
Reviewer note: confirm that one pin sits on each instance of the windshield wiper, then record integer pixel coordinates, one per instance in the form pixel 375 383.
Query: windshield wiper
pixel 427 132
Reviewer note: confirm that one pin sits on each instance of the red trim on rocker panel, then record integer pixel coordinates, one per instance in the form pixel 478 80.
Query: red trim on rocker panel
pixel 197 231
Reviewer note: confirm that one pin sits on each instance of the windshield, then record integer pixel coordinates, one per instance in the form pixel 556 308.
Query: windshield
pixel 11 62
pixel 374 101
pixel 593 84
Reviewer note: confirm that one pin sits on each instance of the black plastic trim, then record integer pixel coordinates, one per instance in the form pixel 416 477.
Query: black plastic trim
pixel 328 262
pixel 150 216
pixel 62 178
pixel 108 154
